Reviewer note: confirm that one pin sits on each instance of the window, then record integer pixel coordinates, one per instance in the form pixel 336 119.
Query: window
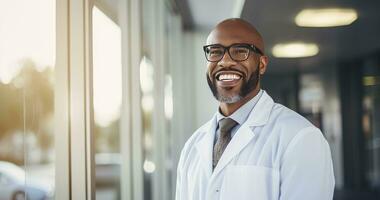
pixel 27 61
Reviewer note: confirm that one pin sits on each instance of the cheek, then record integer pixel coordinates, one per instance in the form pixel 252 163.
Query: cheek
pixel 250 67
pixel 210 68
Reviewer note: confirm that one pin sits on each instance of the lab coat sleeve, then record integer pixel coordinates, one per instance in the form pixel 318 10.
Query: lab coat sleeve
pixel 306 168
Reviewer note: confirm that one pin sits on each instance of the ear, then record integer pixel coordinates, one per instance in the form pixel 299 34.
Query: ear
pixel 263 64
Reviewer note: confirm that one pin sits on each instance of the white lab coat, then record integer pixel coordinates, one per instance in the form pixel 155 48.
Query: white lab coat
pixel 275 154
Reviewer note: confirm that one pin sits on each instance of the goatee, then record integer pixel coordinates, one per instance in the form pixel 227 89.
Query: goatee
pixel 247 87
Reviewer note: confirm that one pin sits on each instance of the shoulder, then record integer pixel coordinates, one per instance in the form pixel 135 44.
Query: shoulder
pixel 287 119
pixel 291 127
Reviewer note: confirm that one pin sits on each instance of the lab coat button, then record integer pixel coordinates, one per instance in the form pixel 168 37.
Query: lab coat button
pixel 217 190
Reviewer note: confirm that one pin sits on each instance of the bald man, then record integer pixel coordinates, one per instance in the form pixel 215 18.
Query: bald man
pixel 252 148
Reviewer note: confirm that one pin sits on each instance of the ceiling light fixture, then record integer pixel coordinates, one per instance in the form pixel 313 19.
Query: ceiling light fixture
pixel 326 17
pixel 295 50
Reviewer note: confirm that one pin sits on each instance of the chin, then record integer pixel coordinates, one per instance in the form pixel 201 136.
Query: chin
pixel 229 98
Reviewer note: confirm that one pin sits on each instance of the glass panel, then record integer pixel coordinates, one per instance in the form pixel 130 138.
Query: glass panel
pixel 311 98
pixel 370 119
pixel 147 104
pixel 107 90
pixel 27 57
pixel 148 101
pixel 171 40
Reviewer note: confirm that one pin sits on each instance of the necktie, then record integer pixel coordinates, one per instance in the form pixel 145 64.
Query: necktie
pixel 225 126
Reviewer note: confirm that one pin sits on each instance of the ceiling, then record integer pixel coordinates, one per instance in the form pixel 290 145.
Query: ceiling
pixel 196 13
pixel 275 21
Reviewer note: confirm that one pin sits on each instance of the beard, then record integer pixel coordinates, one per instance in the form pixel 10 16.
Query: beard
pixel 247 87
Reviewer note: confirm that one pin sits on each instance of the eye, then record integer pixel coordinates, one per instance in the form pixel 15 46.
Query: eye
pixel 239 50
pixel 214 51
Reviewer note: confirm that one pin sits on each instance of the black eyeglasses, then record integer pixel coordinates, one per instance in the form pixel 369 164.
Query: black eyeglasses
pixel 237 52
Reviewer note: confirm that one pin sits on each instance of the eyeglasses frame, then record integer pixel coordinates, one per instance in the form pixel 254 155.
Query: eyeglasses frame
pixel 251 47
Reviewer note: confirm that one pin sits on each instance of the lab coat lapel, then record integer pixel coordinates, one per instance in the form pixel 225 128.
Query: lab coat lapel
pixel 205 145
pixel 242 137
pixel 258 117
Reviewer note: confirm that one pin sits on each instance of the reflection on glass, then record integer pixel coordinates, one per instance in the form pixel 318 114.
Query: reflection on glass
pixel 168 97
pixel 27 56
pixel 146 83
pixel 371 119
pixel 147 106
pixel 107 88
pixel 311 98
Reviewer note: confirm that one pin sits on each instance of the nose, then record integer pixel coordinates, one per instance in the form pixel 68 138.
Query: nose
pixel 226 60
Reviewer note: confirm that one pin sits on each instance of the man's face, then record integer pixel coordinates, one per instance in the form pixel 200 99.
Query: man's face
pixel 229 80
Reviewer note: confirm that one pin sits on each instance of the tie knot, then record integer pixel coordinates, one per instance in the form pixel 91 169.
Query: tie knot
pixel 226 124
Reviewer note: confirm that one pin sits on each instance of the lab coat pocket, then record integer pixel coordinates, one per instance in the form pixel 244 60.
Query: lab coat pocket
pixel 247 182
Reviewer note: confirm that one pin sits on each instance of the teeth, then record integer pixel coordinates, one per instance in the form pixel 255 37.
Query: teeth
pixel 228 77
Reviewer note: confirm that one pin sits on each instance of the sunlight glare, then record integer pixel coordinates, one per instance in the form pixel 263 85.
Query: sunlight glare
pixel 107 69
pixel 27 32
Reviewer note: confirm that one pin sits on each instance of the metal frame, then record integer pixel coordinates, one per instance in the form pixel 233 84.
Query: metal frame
pixel 135 98
pixel 132 186
pixel 62 104
pixel 125 119
pixel 73 101
pixel 160 177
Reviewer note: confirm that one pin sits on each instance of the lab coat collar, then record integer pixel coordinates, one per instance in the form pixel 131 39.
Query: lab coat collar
pixel 258 117
pixel 261 112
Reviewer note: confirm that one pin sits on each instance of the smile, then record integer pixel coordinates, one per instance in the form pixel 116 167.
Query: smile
pixel 228 76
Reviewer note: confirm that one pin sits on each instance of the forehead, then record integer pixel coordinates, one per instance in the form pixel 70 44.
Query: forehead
pixel 227 37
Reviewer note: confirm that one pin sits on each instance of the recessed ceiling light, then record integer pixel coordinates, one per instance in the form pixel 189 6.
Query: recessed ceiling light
pixel 295 50
pixel 371 80
pixel 327 17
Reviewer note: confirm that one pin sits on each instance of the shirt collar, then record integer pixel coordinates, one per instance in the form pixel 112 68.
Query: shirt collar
pixel 241 114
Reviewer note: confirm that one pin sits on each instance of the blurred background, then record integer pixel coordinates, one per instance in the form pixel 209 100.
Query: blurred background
pixel 145 90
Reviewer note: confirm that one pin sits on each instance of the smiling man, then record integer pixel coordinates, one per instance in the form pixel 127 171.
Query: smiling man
pixel 252 148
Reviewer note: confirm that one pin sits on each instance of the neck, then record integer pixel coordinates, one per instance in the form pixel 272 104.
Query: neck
pixel 228 108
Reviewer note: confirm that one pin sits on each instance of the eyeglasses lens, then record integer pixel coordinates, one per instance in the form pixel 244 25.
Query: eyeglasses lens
pixel 216 53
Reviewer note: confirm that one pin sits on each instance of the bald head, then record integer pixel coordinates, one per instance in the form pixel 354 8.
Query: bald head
pixel 235 30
